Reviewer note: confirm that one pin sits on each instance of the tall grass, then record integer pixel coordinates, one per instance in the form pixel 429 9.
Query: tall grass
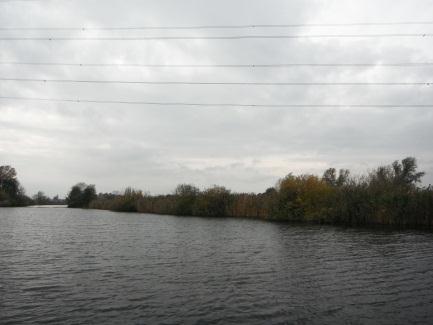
pixel 388 195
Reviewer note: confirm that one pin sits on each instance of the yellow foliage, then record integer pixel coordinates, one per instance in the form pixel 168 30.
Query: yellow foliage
pixel 309 194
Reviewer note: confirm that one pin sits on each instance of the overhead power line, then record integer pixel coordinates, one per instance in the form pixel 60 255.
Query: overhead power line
pixel 239 105
pixel 277 65
pixel 245 26
pixel 233 37
pixel 147 82
pixel 3 1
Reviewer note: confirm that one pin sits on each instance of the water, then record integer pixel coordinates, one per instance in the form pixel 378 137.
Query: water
pixel 89 267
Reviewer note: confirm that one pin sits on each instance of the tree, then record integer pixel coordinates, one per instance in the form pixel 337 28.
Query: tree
pixel 305 197
pixel 9 184
pixel 186 195
pixel 89 194
pixel 81 195
pixel 74 198
pixel 41 199
pixel 330 177
pixel 398 176
pixel 405 172
pixel 343 177
pixel 56 200
pixel 11 192
pixel 213 202
pixel 7 173
pixel 128 201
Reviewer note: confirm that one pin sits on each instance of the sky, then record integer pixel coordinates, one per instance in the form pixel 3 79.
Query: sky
pixel 54 145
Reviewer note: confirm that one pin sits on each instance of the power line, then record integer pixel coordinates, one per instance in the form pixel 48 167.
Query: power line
pixel 278 65
pixel 78 101
pixel 246 26
pixel 3 1
pixel 234 37
pixel 147 82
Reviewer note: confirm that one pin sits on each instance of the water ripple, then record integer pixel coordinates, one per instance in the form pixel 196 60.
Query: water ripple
pixel 77 266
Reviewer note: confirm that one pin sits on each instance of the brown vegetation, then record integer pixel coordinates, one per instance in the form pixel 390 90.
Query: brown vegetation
pixel 389 195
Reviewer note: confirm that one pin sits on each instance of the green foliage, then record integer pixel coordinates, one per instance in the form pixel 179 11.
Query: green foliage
pixel 405 173
pixel 330 177
pixel 11 192
pixel 389 195
pixel 186 196
pixel 128 201
pixel 213 202
pixel 304 197
pixel 81 195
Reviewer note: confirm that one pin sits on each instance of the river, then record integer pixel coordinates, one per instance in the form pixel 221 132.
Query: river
pixel 97 267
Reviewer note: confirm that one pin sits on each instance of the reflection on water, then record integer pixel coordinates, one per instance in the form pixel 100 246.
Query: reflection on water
pixel 77 266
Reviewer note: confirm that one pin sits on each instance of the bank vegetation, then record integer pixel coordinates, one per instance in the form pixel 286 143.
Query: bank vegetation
pixel 12 193
pixel 387 195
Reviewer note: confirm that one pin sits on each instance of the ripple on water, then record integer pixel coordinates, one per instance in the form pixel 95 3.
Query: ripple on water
pixel 77 266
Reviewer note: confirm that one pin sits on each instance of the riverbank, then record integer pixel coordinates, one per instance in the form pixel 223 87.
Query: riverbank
pixel 387 196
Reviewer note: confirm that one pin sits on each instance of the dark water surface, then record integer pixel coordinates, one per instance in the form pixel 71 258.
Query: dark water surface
pixel 97 267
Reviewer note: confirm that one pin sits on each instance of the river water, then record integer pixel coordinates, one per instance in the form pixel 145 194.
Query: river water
pixel 97 267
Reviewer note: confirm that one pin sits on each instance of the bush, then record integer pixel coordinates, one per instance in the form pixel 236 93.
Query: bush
pixel 389 195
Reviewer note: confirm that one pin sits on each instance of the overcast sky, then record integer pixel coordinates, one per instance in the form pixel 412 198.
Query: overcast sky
pixel 54 145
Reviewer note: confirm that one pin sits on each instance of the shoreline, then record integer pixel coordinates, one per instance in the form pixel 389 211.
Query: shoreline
pixel 288 222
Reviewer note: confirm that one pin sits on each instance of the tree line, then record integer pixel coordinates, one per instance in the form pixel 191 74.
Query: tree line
pixel 387 195
pixel 12 194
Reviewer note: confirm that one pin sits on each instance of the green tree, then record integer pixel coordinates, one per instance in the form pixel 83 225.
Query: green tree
pixel 405 173
pixel 9 185
pixel 89 194
pixel 186 196
pixel 11 192
pixel 331 178
pixel 81 195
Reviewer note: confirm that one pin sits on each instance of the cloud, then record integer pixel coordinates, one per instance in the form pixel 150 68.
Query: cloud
pixel 54 145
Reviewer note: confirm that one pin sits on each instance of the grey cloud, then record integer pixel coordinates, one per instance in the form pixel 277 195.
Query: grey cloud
pixel 54 145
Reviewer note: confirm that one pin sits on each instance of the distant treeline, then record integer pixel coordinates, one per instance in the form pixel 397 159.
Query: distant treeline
pixel 41 199
pixel 388 195
pixel 12 194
